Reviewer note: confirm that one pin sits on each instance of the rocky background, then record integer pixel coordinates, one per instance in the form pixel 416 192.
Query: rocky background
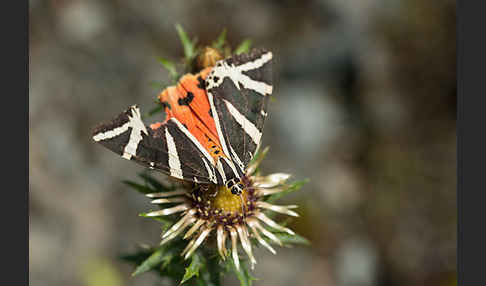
pixel 365 107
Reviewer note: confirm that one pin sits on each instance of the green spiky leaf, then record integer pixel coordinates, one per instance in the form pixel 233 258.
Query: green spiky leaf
pixel 159 187
pixel 286 238
pixel 242 274
pixel 140 188
pixel 218 44
pixel 193 268
pixel 155 259
pixel 166 223
pixel 138 257
pixel 213 272
pixel 170 67
pixel 244 47
pixel 294 186
pixel 188 44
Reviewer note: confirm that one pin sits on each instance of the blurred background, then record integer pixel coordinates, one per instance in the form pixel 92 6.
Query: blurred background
pixel 365 107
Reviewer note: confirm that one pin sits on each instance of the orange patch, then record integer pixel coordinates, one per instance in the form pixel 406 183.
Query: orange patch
pixel 189 104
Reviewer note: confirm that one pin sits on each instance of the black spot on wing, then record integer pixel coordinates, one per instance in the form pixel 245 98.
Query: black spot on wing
pixel 187 99
pixel 201 83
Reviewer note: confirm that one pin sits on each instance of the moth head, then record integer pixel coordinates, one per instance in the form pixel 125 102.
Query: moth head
pixel 236 187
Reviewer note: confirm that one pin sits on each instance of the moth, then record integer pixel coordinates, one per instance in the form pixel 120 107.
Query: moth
pixel 213 126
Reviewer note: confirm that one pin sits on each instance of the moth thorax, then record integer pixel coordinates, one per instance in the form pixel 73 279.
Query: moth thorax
pixel 208 58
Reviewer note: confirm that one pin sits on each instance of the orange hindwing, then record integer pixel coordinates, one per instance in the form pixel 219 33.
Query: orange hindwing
pixel 189 104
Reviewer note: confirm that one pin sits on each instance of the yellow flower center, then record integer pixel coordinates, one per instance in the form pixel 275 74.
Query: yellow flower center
pixel 226 202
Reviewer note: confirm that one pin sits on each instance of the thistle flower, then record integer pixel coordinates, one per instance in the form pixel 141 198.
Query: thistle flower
pixel 209 217
pixel 207 210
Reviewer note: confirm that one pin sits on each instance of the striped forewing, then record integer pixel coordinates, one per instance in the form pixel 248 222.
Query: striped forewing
pixel 169 148
pixel 238 89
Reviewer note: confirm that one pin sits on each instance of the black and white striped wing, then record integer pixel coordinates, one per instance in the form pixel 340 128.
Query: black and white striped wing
pixel 238 89
pixel 170 148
